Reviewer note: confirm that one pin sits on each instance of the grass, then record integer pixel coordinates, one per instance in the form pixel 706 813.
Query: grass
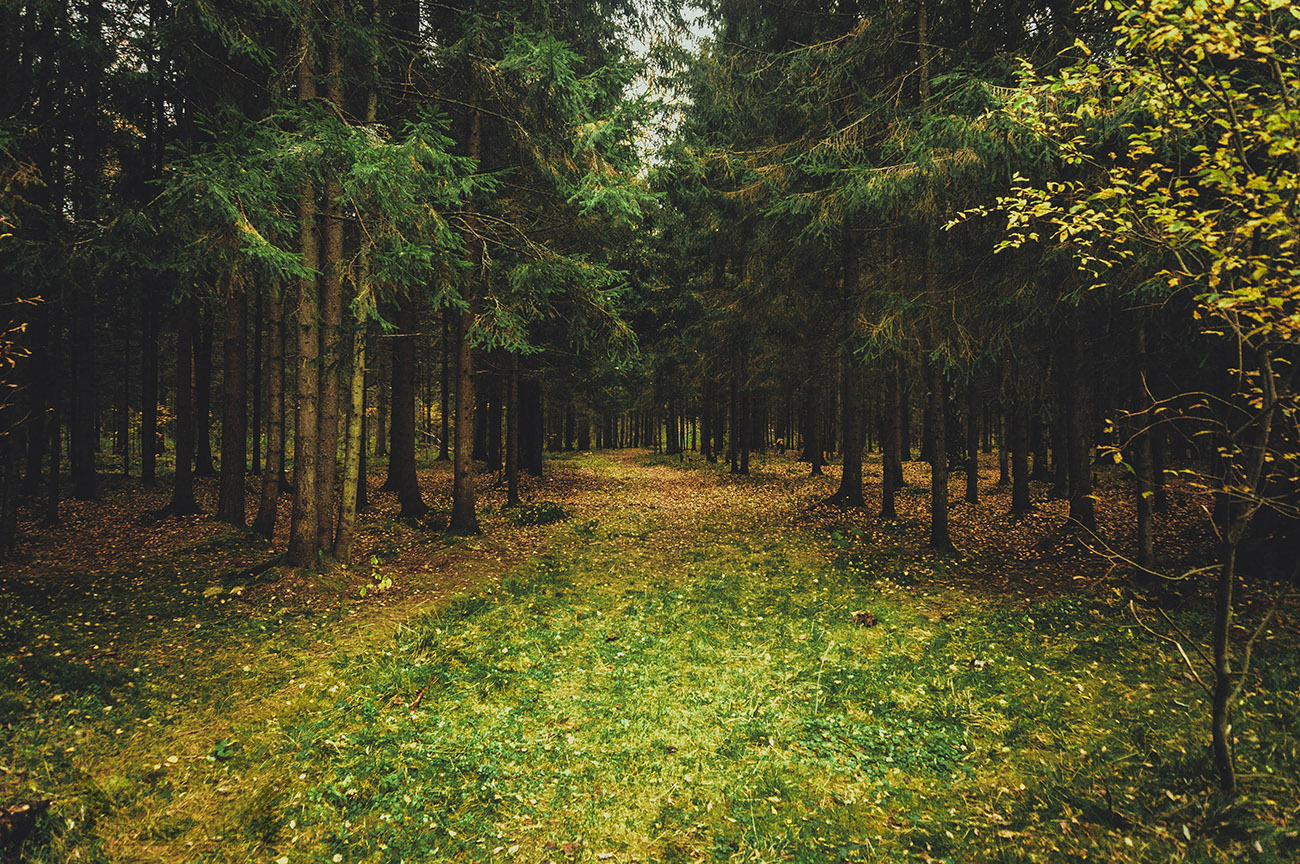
pixel 641 689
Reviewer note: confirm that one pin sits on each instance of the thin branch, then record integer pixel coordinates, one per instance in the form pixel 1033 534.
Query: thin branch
pixel 1133 608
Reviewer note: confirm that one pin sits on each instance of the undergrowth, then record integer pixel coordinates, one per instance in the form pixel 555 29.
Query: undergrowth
pixel 614 699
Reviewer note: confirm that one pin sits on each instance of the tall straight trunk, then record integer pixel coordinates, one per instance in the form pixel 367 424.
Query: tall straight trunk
pixel 353 447
pixel 383 392
pixel 813 450
pixel 905 411
pixel 584 432
pixel 673 440
pixel 90 136
pixel 745 436
pixel 733 422
pixel 122 428
pixel 256 388
pixel 1080 465
pixel 331 323
pixel 83 438
pixel 304 526
pixel 972 444
pixel 54 424
pixel 444 388
pixel 156 138
pixel 351 497
pixel 401 459
pixel 852 411
pixel 531 432
pixel 234 413
pixel 927 428
pixel 493 418
pixel 40 383
pixel 464 515
pixel 203 465
pixel 1019 459
pixel 1004 433
pixel 363 469
pixel 706 420
pixel 481 419
pixel 183 500
pixel 1038 445
pixel 512 434
pixel 264 522
pixel 849 493
pixel 331 299
pixel 891 436
pixel 939 535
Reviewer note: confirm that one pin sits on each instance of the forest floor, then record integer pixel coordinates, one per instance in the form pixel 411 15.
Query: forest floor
pixel 653 661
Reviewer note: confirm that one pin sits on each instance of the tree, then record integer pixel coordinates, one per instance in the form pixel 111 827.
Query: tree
pixel 1200 193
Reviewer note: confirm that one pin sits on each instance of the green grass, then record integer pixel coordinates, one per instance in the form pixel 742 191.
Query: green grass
pixel 614 700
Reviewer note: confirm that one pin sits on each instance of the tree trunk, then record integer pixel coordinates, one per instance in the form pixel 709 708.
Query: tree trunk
pixel 264 522
pixel 972 445
pixel 891 437
pixel 530 425
pixel 183 501
pixel 122 430
pixel 1038 446
pixel 234 414
pixel 1221 699
pixel 849 493
pixel 256 388
pixel 1004 433
pixel 814 452
pixel 41 383
pixel 733 421
pixel 1019 459
pixel 444 389
pixel 1080 465
pixel 304 526
pixel 706 420
pixel 512 434
pixel 383 393
pixel 54 424
pixel 332 266
pixel 401 458
pixel 353 444
pixel 464 516
pixel 939 536
pixel 203 465
pixel 83 438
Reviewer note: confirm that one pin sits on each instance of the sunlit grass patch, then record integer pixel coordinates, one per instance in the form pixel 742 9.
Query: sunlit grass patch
pixel 736 710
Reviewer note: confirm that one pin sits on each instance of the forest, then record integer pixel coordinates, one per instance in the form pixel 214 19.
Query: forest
pixel 637 430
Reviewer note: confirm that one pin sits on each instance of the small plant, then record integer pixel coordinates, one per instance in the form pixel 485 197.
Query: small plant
pixel 379 581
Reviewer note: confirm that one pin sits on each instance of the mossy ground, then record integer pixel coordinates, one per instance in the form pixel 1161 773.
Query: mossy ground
pixel 672 673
